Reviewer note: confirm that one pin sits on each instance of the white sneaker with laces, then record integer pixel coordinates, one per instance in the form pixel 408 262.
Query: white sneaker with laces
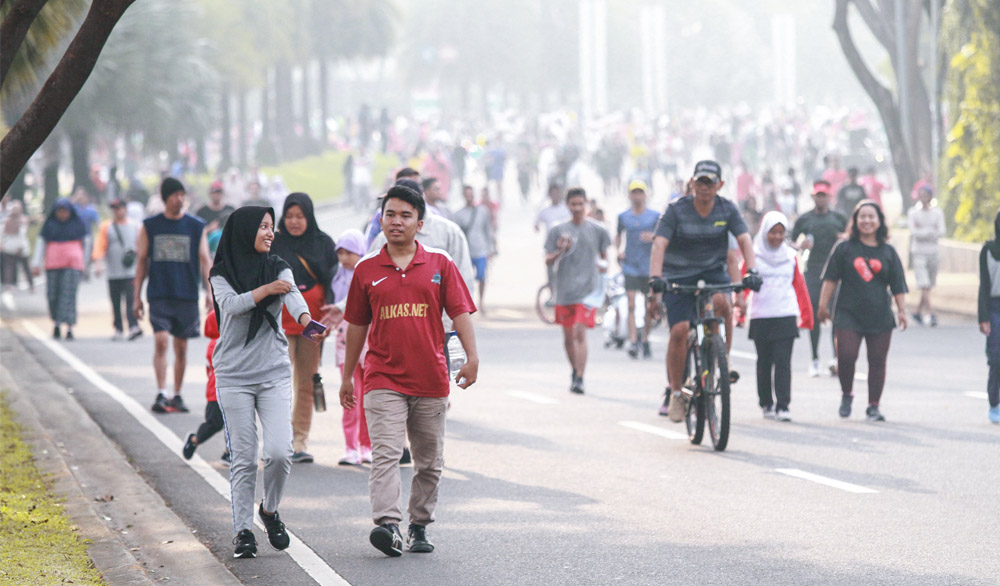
pixel 814 369
pixel 768 412
pixel 782 415
pixel 678 405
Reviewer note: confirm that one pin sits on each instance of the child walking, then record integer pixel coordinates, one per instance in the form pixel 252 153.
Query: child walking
pixel 989 315
pixel 213 423
pixel 252 369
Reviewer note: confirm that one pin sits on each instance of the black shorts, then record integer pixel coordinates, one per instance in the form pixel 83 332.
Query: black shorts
pixel 681 306
pixel 177 316
pixel 640 283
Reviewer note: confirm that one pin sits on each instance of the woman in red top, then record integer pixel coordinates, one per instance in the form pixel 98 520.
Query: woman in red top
pixel 313 258
pixel 60 250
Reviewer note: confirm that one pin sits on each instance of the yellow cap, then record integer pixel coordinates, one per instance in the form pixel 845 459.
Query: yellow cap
pixel 637 184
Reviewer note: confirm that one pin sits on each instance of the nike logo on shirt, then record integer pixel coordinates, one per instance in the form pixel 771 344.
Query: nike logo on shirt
pixel 374 283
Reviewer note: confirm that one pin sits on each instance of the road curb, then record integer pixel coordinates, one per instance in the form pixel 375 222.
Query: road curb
pixel 134 536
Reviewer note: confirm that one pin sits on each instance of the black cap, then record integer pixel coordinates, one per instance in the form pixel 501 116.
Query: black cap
pixel 169 187
pixel 709 169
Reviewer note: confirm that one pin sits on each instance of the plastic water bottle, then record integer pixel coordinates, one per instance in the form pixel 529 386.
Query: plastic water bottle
pixel 455 354
pixel 319 395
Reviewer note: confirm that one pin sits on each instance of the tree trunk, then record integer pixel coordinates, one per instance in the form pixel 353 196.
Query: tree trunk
pixel 60 88
pixel 201 164
pixel 14 29
pixel 266 151
pixel 79 147
pixel 902 159
pixel 323 103
pixel 243 137
pixel 226 139
pixel 306 139
pixel 50 173
pixel 284 119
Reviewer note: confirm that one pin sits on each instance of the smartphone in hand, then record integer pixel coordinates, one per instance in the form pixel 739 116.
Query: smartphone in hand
pixel 313 327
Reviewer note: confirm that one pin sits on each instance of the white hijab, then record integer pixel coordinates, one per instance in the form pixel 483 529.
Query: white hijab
pixel 764 252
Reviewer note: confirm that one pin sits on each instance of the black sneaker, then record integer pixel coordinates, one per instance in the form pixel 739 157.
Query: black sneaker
pixel 873 414
pixel 646 352
pixel 56 333
pixel 302 458
pixel 276 534
pixel 933 321
pixel 387 539
pixel 226 457
pixel 416 537
pixel 177 404
pixel 577 386
pixel 918 318
pixel 845 405
pixel 161 404
pixel 189 446
pixel 69 336
pixel 405 458
pixel 246 545
pixel 633 350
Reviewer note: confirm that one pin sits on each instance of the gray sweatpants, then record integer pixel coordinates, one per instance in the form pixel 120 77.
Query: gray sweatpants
pixel 272 402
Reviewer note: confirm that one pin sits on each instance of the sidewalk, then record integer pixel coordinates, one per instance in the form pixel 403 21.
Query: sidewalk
pixel 134 537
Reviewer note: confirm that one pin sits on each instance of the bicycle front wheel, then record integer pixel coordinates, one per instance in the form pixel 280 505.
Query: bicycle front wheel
pixel 545 304
pixel 694 415
pixel 715 377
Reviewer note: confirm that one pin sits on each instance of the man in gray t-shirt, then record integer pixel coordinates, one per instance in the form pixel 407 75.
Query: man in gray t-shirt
pixel 474 220
pixel 574 248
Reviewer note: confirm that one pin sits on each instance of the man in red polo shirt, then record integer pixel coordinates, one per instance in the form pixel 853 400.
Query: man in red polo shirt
pixel 399 293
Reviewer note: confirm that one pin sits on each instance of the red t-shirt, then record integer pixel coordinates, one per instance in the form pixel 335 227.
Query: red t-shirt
pixel 315 298
pixel 406 338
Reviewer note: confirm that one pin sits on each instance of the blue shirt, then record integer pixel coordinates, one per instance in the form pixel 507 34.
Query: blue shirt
pixel 174 264
pixel 637 252
pixel 698 244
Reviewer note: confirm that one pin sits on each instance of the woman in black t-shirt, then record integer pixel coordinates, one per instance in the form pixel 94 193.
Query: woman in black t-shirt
pixel 868 270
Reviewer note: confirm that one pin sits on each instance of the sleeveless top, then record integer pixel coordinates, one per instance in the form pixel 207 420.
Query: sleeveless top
pixel 174 265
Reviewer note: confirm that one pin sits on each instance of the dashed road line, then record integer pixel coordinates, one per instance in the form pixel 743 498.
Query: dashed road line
pixel 976 395
pixel 673 435
pixel 303 555
pixel 847 486
pixel 540 399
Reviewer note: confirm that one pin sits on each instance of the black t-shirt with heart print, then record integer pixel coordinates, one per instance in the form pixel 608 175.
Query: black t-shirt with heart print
pixel 867 275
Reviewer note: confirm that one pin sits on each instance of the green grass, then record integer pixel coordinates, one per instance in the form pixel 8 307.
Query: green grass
pixel 39 545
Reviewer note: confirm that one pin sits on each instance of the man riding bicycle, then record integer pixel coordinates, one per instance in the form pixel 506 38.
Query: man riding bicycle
pixel 691 244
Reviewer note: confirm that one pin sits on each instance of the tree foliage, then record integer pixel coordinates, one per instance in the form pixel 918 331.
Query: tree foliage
pixel 971 41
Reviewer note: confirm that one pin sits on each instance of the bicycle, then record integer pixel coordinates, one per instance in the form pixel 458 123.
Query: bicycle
pixel 706 371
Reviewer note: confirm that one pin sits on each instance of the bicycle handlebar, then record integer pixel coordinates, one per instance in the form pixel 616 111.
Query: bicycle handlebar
pixel 702 286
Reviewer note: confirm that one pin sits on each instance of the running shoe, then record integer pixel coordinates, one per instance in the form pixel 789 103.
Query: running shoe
pixel 177 405
pixel 246 545
pixel 387 539
pixel 352 458
pixel 226 458
pixel 768 412
pixel 366 456
pixel 782 415
pixel 416 537
pixel 302 458
pixel 665 407
pixel 845 405
pixel 56 333
pixel 69 336
pixel 633 350
pixel 873 414
pixel 646 353
pixel 677 407
pixel 814 369
pixel 932 321
pixel 405 459
pixel 117 336
pixel 577 386
pixel 918 318
pixel 161 404
pixel 189 446
pixel 276 534
pixel 134 333
pixel 995 414
pixel 832 365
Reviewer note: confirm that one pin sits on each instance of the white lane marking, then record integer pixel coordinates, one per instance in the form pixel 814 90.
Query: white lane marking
pixel 540 399
pixel 976 395
pixel 674 435
pixel 305 557
pixel 862 376
pixel 856 489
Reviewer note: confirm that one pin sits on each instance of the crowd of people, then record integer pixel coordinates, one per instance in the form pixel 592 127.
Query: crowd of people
pixel 275 285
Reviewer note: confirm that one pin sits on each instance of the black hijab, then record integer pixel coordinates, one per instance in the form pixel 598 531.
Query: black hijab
pixel 55 230
pixel 245 269
pixel 994 245
pixel 313 248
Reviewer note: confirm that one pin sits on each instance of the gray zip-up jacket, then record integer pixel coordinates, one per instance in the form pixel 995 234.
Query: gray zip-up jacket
pixel 265 358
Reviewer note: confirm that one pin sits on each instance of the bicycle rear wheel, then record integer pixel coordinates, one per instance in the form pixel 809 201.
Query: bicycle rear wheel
pixel 716 389
pixel 694 416
pixel 545 304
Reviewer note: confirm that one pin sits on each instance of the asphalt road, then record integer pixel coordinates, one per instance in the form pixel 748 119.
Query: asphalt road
pixel 545 487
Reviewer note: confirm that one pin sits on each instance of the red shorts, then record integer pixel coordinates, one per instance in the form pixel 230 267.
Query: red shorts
pixel 578 313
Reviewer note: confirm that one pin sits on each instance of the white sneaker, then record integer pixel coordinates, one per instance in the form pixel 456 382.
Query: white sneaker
pixel 117 337
pixel 814 369
pixel 782 415
pixel 768 412
pixel 678 405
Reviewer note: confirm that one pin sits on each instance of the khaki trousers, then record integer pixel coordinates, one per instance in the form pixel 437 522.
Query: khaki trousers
pixel 304 356
pixel 391 418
